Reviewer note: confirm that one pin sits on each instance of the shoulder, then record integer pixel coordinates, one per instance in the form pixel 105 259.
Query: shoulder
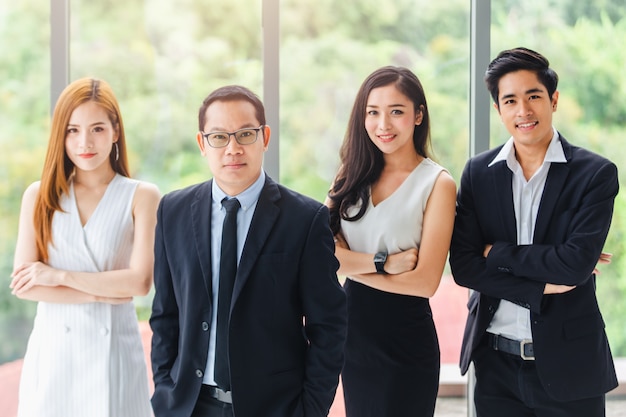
pixel 441 173
pixel 484 158
pixel 148 190
pixel 29 197
pixel 147 194
pixel 445 182
pixel 298 200
pixel 583 160
pixel 189 192
pixel 582 156
pixel 32 190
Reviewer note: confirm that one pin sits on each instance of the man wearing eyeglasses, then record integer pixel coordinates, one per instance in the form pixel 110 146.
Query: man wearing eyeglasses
pixel 272 344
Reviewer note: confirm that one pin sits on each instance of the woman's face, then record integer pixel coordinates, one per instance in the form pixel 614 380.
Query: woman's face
pixel 390 119
pixel 89 137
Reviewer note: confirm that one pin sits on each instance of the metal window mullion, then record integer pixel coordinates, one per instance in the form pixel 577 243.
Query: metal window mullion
pixel 59 48
pixel 271 83
pixel 480 51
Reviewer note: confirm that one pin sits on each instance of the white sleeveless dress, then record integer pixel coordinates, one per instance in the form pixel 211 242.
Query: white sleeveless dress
pixel 392 352
pixel 87 360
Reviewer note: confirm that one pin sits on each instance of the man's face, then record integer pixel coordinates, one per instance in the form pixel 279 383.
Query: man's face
pixel 526 109
pixel 235 167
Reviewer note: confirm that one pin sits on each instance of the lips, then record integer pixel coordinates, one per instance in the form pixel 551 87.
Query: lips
pixel 86 155
pixel 526 125
pixel 386 138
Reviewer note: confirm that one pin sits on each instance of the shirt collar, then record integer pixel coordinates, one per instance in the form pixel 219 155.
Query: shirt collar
pixel 554 153
pixel 247 198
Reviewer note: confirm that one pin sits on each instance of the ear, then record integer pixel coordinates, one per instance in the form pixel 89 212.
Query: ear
pixel 200 140
pixel 555 100
pixel 420 115
pixel 116 136
pixel 266 136
pixel 495 106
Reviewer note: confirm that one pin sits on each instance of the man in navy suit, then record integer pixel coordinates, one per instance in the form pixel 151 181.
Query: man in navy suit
pixel 532 218
pixel 287 323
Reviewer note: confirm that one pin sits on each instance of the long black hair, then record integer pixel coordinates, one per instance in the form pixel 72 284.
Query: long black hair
pixel 361 161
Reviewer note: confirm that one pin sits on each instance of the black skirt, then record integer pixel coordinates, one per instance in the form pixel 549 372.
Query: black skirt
pixel 392 355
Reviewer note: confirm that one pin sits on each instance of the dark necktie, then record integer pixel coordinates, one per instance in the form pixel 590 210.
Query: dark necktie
pixel 228 270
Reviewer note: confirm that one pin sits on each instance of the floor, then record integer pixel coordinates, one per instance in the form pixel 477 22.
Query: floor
pixel 457 406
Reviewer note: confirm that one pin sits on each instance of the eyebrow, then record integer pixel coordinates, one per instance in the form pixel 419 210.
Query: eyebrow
pixel 243 126
pixel 527 92
pixel 391 105
pixel 93 124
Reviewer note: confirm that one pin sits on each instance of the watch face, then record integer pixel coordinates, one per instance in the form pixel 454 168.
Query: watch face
pixel 379 261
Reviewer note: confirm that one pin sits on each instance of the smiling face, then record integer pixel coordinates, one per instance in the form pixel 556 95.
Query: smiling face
pixel 526 109
pixel 390 119
pixel 234 167
pixel 89 137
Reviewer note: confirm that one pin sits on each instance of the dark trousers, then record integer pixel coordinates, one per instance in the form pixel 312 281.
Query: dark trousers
pixel 207 406
pixel 507 385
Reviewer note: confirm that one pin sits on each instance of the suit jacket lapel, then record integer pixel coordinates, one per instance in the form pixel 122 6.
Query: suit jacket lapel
pixel 554 185
pixel 201 221
pixel 503 179
pixel 265 215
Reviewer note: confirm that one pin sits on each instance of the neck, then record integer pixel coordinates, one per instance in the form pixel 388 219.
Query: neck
pixel 93 178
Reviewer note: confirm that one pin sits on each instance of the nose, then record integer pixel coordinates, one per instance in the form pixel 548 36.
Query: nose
pixel 233 146
pixel 84 140
pixel 524 108
pixel 383 122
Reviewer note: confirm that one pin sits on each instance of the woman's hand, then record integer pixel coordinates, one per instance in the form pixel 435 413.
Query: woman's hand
pixel 402 261
pixel 340 241
pixel 30 274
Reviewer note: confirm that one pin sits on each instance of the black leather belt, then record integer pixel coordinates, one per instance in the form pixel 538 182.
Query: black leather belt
pixel 521 348
pixel 217 393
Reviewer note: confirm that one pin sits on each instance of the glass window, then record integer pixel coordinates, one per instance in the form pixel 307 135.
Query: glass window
pixel 24 128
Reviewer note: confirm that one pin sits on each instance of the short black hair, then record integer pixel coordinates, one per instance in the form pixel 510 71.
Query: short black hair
pixel 232 93
pixel 518 59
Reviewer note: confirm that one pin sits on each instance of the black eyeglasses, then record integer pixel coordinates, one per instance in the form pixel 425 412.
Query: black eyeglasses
pixel 245 136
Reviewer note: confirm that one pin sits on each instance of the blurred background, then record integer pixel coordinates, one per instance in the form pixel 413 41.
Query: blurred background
pixel 162 59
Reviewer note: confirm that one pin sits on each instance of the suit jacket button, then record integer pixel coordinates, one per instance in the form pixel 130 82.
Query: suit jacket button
pixel 205 326
pixel 199 373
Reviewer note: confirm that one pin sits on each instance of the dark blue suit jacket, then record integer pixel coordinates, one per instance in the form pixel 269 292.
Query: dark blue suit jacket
pixel 572 353
pixel 288 316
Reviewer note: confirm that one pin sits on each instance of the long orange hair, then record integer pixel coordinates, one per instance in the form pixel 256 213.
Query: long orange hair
pixel 58 167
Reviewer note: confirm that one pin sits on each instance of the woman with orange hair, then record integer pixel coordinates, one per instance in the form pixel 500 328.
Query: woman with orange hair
pixel 84 249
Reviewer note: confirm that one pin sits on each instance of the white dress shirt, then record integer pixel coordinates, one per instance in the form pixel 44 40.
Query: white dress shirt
pixel 248 200
pixel 512 320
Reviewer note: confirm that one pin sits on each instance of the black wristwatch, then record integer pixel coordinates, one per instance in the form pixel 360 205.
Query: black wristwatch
pixel 379 261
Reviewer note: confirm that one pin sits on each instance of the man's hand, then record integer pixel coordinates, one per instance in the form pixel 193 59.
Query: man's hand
pixel 605 258
pixel 557 289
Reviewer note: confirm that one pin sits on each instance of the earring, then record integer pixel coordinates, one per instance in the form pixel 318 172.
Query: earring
pixel 117 151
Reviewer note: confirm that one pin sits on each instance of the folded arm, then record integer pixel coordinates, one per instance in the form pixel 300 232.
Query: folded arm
pixel 408 272
pixel 37 281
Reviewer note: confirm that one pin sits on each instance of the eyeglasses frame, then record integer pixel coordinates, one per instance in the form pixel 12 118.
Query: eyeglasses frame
pixel 234 134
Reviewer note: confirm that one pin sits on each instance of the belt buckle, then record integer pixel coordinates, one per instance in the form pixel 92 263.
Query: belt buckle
pixel 224 396
pixel 522 353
